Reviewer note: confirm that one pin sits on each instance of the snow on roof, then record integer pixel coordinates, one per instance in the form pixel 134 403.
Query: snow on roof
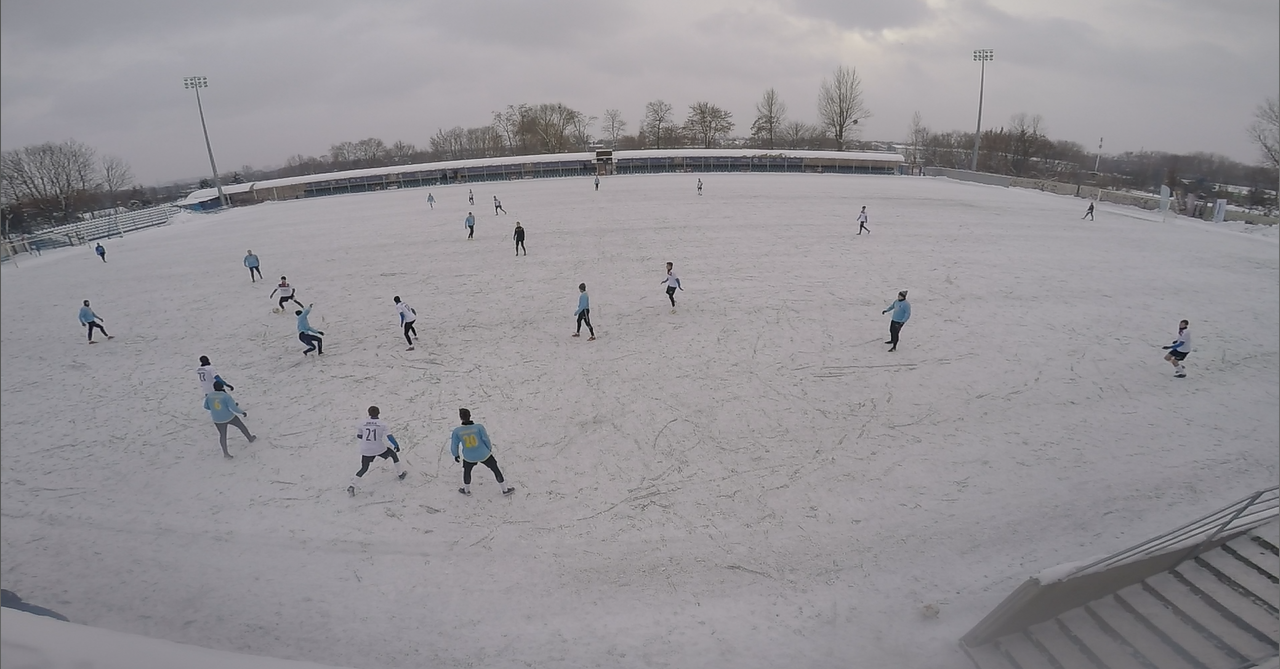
pixel 206 194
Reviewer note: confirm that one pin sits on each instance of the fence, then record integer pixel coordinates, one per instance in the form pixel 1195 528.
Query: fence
pixel 83 232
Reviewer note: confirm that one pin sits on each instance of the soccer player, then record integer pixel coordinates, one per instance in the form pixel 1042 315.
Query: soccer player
pixel 431 200
pixel 251 261
pixel 597 182
pixel 101 251
pixel 901 312
pixel 1178 350
pixel 224 410
pixel 584 313
pixel 286 293
pixel 370 434
pixel 699 185
pixel 471 225
pixel 471 198
pixel 519 237
pixel 92 320
pixel 862 221
pixel 307 334
pixel 407 318
pixel 476 448
pixel 1088 213
pixel 673 282
pixel 497 206
pixel 209 376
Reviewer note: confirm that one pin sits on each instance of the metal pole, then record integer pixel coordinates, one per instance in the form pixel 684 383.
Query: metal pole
pixel 977 135
pixel 217 183
pixel 1098 162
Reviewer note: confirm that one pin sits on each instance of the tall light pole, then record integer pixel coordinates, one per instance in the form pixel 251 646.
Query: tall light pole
pixel 197 83
pixel 982 56
pixel 1097 163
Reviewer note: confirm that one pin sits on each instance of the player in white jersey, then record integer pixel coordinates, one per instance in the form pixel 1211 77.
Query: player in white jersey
pixel 370 434
pixel 673 282
pixel 286 293
pixel 862 221
pixel 407 318
pixel 208 375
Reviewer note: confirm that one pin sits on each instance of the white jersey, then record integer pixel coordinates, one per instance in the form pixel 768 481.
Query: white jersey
pixel 1183 343
pixel 285 290
pixel 862 217
pixel 206 374
pixel 673 281
pixel 371 433
pixel 406 312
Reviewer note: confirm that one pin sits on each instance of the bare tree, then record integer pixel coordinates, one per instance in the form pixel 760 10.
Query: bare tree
pixel 1265 132
pixel 54 180
pixel 116 174
pixel 550 124
pixel 581 124
pixel 771 113
pixel 370 152
pixel 402 152
pixel 613 126
pixel 918 135
pixel 799 135
pixel 512 124
pixel 840 105
pixel 657 116
pixel 342 153
pixel 707 123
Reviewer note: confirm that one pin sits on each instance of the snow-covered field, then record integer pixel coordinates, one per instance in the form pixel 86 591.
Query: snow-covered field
pixel 750 482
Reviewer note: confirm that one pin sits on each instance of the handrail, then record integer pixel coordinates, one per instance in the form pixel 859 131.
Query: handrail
pixel 1242 514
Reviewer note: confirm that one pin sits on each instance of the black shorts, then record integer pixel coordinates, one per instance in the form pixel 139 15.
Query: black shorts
pixel 1178 355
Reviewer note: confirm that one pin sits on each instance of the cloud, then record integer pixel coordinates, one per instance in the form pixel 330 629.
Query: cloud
pixel 292 77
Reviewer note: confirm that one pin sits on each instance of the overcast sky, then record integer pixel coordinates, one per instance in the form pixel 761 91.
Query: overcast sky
pixel 289 77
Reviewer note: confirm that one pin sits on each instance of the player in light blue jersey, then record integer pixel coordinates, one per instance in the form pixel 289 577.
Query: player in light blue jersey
pixel 471 225
pixel 224 411
pixel 307 334
pixel 901 312
pixel 90 319
pixel 584 313
pixel 475 448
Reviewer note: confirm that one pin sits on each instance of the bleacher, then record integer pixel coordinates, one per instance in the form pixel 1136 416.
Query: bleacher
pixel 91 230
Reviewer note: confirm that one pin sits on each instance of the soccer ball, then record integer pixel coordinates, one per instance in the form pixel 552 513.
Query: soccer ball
pixel 275 310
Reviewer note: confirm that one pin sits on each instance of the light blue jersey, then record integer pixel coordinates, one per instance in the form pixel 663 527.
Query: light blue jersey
pixel 901 310
pixel 222 407
pixel 471 221
pixel 474 441
pixel 251 261
pixel 583 304
pixel 303 325
pixel 87 316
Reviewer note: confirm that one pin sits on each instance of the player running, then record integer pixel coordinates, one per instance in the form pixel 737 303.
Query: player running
pixel 476 448
pixel 209 376
pixel 92 320
pixel 307 334
pixel 286 293
pixel 862 221
pixel 224 411
pixel 673 282
pixel 1178 350
pixel 584 313
pixel 497 206
pixel 370 434
pixel 407 318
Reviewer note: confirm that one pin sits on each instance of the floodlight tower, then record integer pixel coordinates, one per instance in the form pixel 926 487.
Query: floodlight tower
pixel 981 56
pixel 197 83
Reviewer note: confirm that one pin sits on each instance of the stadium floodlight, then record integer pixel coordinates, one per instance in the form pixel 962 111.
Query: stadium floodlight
pixel 196 83
pixel 981 56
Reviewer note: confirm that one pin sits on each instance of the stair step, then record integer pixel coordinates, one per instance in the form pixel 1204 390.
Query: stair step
pixel 1200 610
pixel 1252 549
pixel 1244 574
pixel 1025 653
pixel 1050 636
pixel 988 656
pixel 1114 652
pixel 1110 613
pixel 1246 607
pixel 1208 649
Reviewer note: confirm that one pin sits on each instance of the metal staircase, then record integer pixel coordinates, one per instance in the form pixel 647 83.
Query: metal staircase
pixel 1208 602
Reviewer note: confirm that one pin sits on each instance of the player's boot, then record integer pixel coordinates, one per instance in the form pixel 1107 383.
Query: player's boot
pixel 351 490
pixel 509 490
pixel 464 491
pixel 401 475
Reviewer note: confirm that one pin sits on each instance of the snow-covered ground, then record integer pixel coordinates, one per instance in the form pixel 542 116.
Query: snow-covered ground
pixel 750 482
